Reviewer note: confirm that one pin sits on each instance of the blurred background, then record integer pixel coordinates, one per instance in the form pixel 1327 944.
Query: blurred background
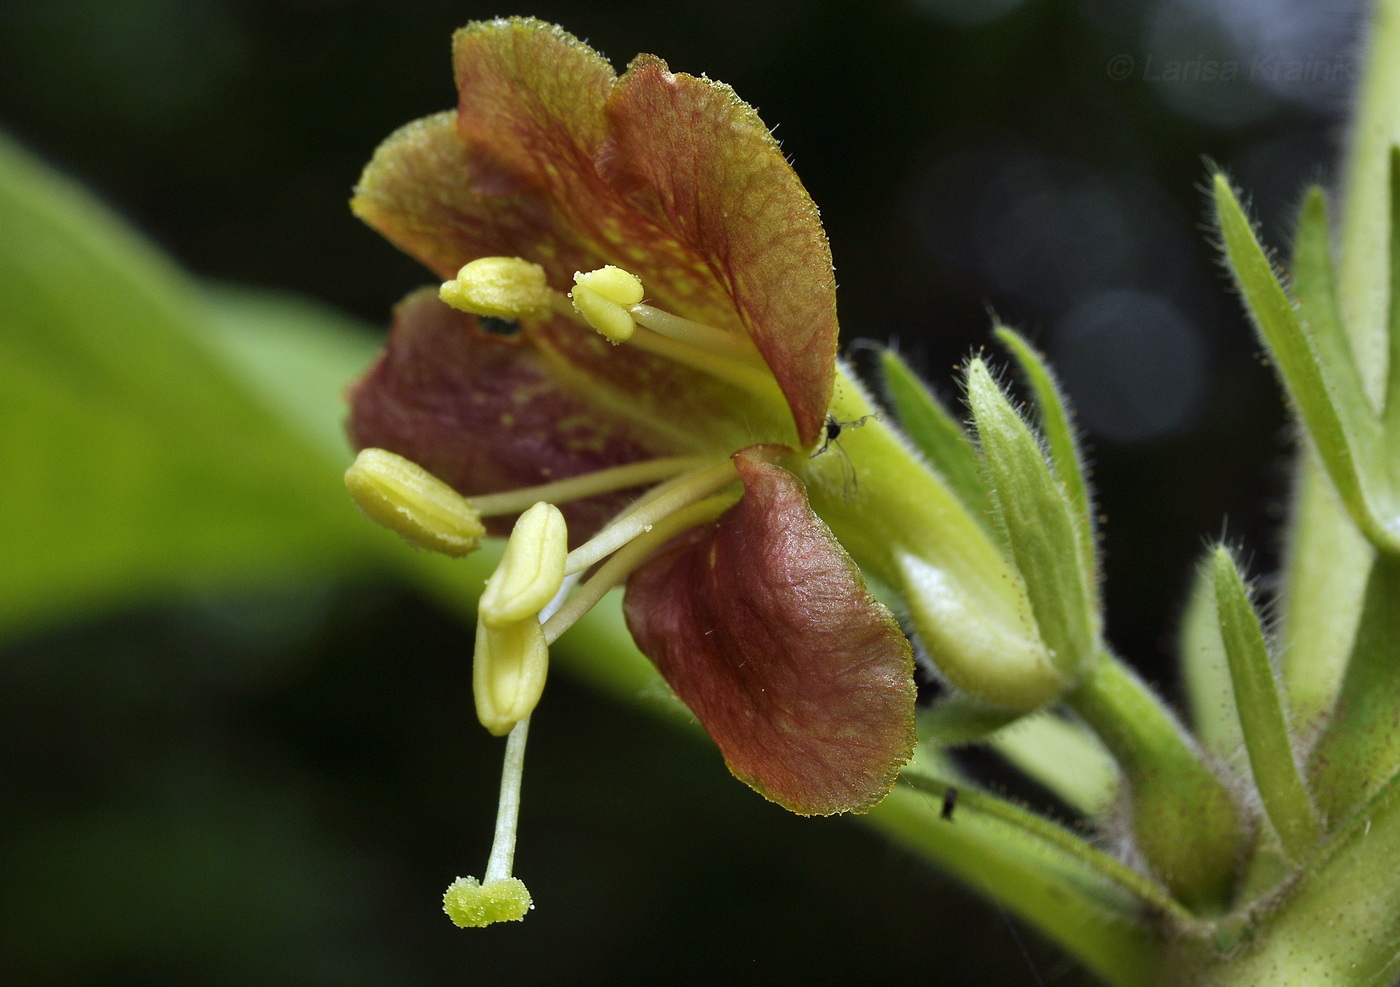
pixel 275 784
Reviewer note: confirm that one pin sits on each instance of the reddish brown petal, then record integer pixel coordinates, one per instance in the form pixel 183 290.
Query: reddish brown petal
pixel 671 177
pixel 762 625
pixel 531 102
pixel 698 163
pixel 486 414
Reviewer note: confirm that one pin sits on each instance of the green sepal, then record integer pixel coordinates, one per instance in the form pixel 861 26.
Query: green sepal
pixel 1260 710
pixel 1039 520
pixel 1360 748
pixel 1059 435
pixel 1345 442
pixel 936 433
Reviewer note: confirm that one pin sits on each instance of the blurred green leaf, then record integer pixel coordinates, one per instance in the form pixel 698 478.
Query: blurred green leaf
pixel 140 459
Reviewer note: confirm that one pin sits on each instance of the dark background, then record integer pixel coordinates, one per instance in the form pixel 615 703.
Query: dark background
pixel 277 788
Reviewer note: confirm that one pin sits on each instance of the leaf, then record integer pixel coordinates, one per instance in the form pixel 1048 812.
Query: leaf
pixel 1345 445
pixel 934 432
pixel 1360 750
pixel 141 462
pixel 1260 711
pixel 1206 671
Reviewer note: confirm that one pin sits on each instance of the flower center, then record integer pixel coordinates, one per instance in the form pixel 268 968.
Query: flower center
pixel 609 300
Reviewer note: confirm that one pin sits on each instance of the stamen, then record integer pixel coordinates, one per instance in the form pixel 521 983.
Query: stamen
pixel 630 556
pixel 603 298
pixel 530 571
pixel 587 484
pixel 649 512
pixel 405 498
pixel 608 300
pixel 509 667
pixel 754 378
pixel 499 287
pixel 731 344
pixel 499 897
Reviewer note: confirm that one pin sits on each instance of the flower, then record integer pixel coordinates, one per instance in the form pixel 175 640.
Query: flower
pixel 677 439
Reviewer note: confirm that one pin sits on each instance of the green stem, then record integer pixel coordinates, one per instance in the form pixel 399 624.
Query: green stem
pixel 1186 822
pixel 1094 907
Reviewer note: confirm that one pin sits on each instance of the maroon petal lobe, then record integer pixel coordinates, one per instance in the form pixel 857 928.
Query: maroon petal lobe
pixel 698 163
pixel 486 414
pixel 762 625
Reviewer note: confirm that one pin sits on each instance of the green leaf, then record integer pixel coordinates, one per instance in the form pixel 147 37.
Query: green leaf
pixel 295 355
pixel 142 463
pixel 1059 437
pixel 1260 711
pixel 1360 748
pixel 935 433
pixel 1345 446
pixel 1315 287
pixel 1039 520
pixel 1206 671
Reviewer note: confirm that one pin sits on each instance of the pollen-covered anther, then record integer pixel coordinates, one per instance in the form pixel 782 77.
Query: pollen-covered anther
pixel 404 497
pixel 605 297
pixel 508 672
pixel 474 905
pixel 499 287
pixel 531 569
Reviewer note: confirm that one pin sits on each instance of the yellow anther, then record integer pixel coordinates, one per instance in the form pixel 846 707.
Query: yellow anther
pixel 531 569
pixel 500 287
pixel 473 905
pixel 603 297
pixel 508 672
pixel 406 498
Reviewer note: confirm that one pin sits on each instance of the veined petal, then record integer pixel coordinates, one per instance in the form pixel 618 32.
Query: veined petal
pixel 699 165
pixel 485 414
pixel 668 176
pixel 531 103
pixel 418 192
pixel 762 625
